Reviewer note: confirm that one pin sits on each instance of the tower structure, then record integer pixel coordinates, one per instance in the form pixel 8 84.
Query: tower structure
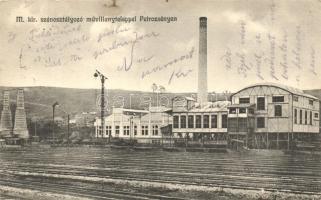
pixel 20 123
pixel 6 117
pixel 202 62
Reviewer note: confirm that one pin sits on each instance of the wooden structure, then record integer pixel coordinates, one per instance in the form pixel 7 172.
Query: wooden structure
pixel 20 123
pixel 272 116
pixel 6 118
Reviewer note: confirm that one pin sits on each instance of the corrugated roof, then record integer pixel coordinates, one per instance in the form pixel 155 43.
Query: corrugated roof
pixel 290 89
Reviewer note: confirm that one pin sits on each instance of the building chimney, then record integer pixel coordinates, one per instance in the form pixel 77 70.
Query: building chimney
pixel 202 63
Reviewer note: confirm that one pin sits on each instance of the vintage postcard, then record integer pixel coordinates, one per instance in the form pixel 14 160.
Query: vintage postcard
pixel 160 99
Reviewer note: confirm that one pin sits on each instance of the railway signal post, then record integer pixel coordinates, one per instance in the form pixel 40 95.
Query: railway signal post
pixel 102 102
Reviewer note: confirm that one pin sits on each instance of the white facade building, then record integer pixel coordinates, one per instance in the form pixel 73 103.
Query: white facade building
pixel 141 125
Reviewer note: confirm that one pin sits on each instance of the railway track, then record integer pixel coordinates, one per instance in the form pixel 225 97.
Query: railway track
pixel 229 182
pixel 186 167
pixel 313 169
pixel 165 171
pixel 237 182
pixel 61 188
pixel 299 175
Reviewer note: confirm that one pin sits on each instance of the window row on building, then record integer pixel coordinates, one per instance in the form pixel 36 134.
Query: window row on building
pixel 260 104
pixel 260 101
pixel 238 124
pixel 304 116
pixel 277 108
pixel 198 121
pixel 242 125
pixel 296 99
pixel 301 116
pixel 126 130
pixel 241 110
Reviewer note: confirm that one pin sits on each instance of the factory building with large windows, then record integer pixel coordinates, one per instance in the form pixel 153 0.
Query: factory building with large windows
pixel 272 116
pixel 260 116
pixel 199 125
pixel 143 126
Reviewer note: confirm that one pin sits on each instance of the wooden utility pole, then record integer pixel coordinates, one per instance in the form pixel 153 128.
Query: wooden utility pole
pixel 53 120
pixel 36 128
pixel 68 133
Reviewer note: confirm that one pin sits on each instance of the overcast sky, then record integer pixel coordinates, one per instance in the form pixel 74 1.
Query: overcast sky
pixel 248 42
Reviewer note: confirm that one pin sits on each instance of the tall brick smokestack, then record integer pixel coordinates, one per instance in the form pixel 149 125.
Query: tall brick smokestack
pixel 202 62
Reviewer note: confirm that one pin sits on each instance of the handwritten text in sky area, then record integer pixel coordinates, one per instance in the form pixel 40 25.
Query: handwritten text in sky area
pixel 170 63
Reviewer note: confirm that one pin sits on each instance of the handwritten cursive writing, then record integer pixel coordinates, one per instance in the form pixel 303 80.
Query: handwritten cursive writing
pixel 271 39
pixel 242 31
pixel 145 59
pixel 312 62
pixel 115 44
pixel 272 12
pixel 158 68
pixel 75 41
pixel 125 65
pixel 227 58
pixel 284 56
pixel 258 61
pixel 21 60
pixel 52 62
pixel 258 56
pixel 11 37
pixel 297 50
pixel 53 31
pixel 114 31
pixel 243 67
pixel 178 74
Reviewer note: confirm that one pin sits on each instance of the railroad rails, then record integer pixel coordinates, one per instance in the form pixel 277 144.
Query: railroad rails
pixel 79 191
pixel 283 173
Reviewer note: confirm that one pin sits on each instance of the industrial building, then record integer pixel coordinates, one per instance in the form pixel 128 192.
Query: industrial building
pixel 260 116
pixel 272 115
pixel 13 130
pixel 143 126
pixel 198 124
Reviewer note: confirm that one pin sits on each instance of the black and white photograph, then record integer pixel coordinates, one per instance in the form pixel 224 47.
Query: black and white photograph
pixel 160 99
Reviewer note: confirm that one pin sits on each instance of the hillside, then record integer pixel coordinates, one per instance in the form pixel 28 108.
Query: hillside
pixel 39 100
pixel 316 93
